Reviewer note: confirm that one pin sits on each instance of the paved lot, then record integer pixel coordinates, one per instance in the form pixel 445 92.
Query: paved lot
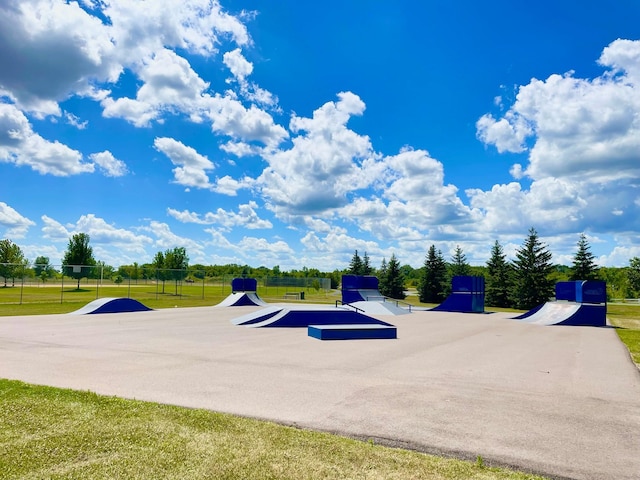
pixel 563 401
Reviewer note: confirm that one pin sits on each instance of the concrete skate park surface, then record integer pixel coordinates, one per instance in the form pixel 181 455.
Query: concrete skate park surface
pixel 561 401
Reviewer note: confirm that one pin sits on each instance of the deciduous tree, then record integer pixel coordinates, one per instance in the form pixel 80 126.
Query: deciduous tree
pixel 11 260
pixel 78 260
pixel 176 261
pixel 158 264
pixel 633 274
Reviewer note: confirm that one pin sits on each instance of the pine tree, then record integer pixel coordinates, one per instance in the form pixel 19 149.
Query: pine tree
pixel 356 265
pixel 382 278
pixel 584 265
pixel 532 284
pixel 366 265
pixel 459 265
pixel 433 282
pixel 394 280
pixel 498 278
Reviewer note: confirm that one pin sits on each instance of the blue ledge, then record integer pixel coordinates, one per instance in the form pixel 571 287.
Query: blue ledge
pixel 352 332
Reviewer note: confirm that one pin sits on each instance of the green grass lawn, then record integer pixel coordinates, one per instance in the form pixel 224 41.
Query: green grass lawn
pixel 45 299
pixel 626 319
pixel 63 434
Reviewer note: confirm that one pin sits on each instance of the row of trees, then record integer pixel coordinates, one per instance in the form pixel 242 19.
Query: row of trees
pixel 79 262
pixel 523 283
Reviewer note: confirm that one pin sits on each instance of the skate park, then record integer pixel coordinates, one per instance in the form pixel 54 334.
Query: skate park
pixel 539 398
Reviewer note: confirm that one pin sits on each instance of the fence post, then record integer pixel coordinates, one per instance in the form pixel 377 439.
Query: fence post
pixel 22 285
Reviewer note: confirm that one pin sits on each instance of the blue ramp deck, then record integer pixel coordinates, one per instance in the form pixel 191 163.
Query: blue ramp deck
pixel 352 332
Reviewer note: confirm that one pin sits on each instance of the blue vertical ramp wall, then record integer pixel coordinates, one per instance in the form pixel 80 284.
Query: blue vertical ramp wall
pixel 354 285
pixel 244 285
pixel 467 296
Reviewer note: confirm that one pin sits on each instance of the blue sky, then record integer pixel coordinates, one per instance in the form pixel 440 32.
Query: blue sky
pixel 293 133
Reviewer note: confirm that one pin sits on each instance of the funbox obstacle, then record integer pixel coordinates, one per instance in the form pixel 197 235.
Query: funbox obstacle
pixel 580 303
pixel 324 322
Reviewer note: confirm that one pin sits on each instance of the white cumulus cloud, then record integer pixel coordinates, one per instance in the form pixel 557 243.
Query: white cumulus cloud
pixel 191 167
pixel 108 164
pixel 20 145
pixel 15 225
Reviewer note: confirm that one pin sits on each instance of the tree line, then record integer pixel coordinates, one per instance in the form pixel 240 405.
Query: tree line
pixel 523 282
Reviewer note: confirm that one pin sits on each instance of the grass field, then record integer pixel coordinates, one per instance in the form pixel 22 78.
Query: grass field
pixel 35 300
pixel 626 319
pixel 63 434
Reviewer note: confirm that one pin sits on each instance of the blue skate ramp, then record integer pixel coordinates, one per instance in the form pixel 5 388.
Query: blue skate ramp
pixel 568 313
pixel 360 288
pixel 529 313
pixel 467 296
pixel 578 303
pixel 242 299
pixel 111 305
pixel 303 316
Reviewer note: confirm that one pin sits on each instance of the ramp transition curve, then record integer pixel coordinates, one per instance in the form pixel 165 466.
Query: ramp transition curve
pixel 111 305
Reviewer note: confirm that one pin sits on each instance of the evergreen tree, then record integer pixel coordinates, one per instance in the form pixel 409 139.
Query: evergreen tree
pixel 394 280
pixel 584 265
pixel 498 278
pixel 366 265
pixel 459 265
pixel 78 259
pixel 382 278
pixel 356 267
pixel 532 268
pixel 432 287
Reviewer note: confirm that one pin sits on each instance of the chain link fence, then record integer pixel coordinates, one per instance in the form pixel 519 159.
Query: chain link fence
pixel 32 283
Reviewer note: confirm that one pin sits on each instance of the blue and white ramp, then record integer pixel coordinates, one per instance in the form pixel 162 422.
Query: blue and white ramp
pixel 111 305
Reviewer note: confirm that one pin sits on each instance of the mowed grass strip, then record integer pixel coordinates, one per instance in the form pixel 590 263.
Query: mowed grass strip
pixel 44 299
pixel 626 319
pixel 55 433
